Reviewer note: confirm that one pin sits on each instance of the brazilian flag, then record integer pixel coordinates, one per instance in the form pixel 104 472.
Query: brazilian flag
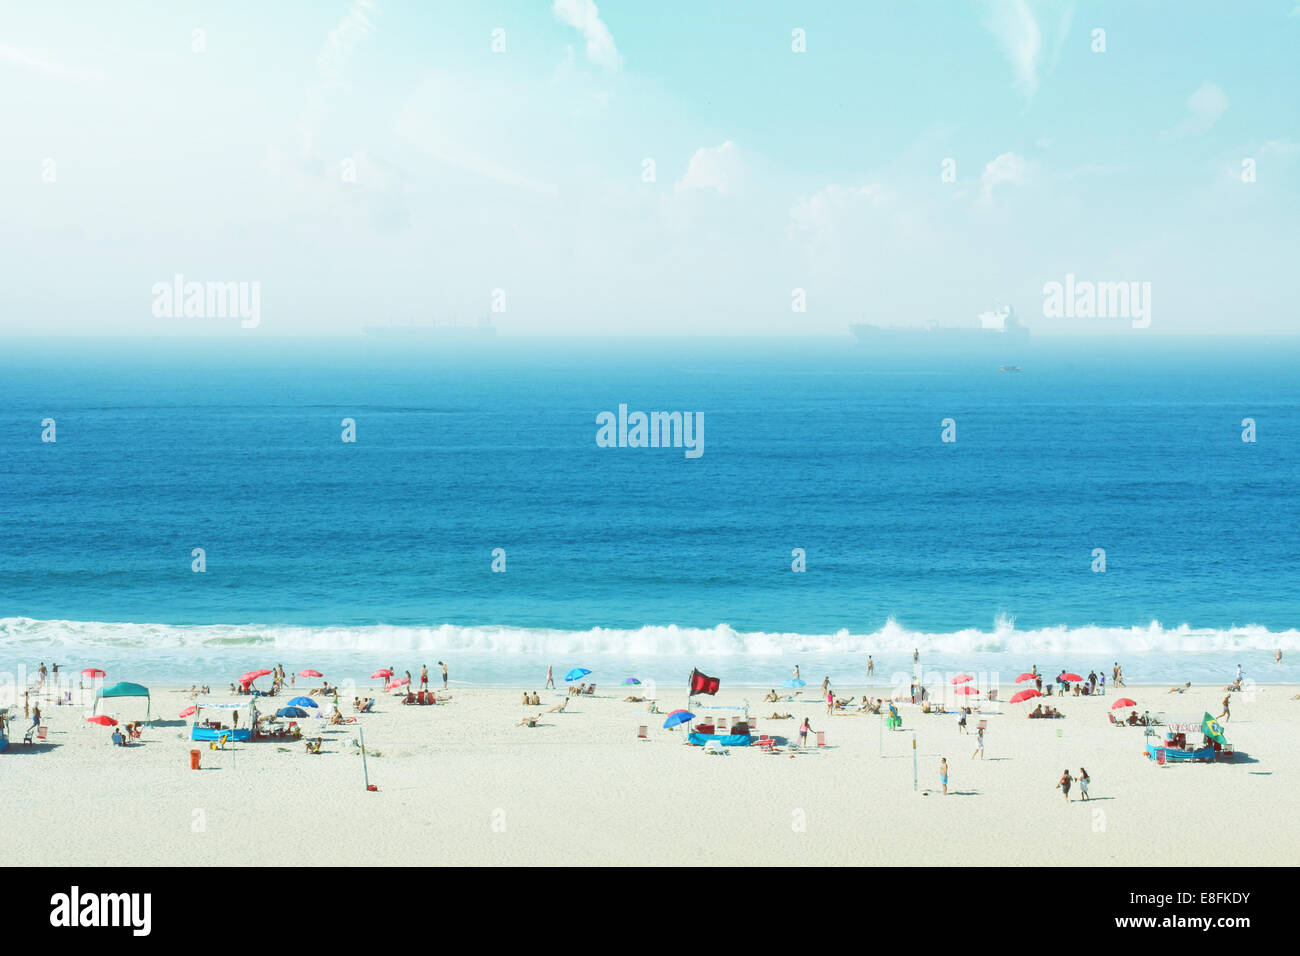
pixel 1212 729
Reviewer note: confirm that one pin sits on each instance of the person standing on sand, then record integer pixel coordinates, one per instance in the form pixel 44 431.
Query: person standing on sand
pixel 979 745
pixel 943 774
pixel 424 677
pixel 550 678
pixel 1084 780
pixel 871 665
pixel 961 720
pixel 803 733
pixel 1064 784
pixel 830 702
pixel 36 715
pixel 444 674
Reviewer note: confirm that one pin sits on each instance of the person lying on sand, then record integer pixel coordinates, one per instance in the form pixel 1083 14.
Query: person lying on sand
pixel 841 703
pixel 775 716
pixel 313 746
pixel 1180 690
pixel 529 721
pixel 559 708
pixel 634 700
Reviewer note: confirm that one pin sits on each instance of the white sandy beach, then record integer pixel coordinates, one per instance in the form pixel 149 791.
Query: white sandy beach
pixel 460 783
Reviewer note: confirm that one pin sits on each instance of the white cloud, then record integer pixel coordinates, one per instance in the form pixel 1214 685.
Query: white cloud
pixel 331 63
pixel 1204 107
pixel 1021 35
pixel 1008 169
pixel 40 62
pixel 822 209
pixel 583 16
pixel 714 167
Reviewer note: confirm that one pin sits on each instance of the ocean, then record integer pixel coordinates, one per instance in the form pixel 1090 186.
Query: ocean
pixel 979 553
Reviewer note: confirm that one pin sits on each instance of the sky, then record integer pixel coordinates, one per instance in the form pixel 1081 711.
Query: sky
pixel 565 167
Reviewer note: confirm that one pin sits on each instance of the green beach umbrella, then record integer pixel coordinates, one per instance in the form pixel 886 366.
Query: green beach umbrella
pixel 1212 729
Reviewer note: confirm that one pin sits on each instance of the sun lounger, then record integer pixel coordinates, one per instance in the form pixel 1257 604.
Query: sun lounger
pixel 714 747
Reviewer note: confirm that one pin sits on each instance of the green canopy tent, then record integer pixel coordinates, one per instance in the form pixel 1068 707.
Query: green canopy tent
pixel 126 689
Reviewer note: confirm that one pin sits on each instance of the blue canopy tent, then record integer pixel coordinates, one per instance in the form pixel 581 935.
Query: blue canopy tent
pixel 126 689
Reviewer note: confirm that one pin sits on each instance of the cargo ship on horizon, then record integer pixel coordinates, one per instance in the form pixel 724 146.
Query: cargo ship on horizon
pixel 999 326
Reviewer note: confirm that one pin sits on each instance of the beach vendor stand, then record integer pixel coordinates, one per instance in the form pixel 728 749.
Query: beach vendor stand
pixel 125 689
pixel 231 721
pixel 1188 740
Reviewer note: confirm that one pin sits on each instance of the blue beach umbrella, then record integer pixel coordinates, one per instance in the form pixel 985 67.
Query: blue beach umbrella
pixel 678 717
pixel 794 682
pixel 630 681
pixel 291 712
pixel 303 702
pixel 576 674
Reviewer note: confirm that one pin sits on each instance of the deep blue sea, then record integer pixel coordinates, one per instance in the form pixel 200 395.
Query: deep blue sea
pixel 351 556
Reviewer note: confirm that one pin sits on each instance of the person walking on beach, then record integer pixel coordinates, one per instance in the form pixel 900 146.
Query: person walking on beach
pixel 1064 784
pixel 826 684
pixel 979 745
pixel 961 720
pixel 943 774
pixel 803 733
pixel 40 674
pixel 1101 685
pixel 830 702
pixel 1084 780
pixel 36 715
pixel 424 677
pixel 871 665
pixel 550 678
pixel 444 674
pixel 1225 715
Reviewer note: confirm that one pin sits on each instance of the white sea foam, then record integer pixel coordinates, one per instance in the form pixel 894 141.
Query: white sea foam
pixel 26 635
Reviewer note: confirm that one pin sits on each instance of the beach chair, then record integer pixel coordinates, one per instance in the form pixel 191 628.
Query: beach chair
pixel 714 747
pixel 31 733
pixel 821 738
pixel 591 690
pixel 641 733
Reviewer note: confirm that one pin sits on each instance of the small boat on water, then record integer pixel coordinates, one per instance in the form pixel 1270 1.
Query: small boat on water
pixel 1009 368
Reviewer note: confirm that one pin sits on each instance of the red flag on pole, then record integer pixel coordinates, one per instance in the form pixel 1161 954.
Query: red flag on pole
pixel 703 684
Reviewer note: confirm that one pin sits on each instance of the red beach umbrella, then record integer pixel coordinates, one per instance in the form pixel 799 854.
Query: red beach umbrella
pixel 397 683
pixel 966 689
pixel 1072 678
pixel 382 672
pixel 1026 676
pixel 103 720
pixel 310 673
pixel 93 672
pixel 189 710
pixel 1025 695
pixel 1123 702
pixel 962 678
